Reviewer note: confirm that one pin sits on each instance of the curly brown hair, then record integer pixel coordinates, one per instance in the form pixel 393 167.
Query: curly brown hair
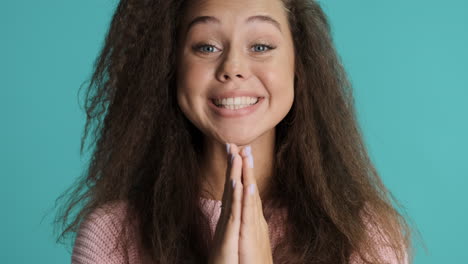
pixel 144 149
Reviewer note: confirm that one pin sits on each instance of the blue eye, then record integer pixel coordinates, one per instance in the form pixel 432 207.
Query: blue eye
pixel 263 47
pixel 205 48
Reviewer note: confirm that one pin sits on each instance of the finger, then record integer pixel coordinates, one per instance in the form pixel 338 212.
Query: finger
pixel 250 177
pixel 233 215
pixel 234 218
pixel 236 163
pixel 249 208
pixel 233 175
pixel 233 205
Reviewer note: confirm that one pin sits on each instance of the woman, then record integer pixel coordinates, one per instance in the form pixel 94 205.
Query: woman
pixel 226 133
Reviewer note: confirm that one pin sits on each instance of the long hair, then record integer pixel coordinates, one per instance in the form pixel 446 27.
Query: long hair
pixel 146 152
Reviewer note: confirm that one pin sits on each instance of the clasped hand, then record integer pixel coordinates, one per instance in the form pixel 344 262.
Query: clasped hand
pixel 241 234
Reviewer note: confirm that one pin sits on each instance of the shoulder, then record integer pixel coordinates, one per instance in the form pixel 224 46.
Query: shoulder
pixel 97 240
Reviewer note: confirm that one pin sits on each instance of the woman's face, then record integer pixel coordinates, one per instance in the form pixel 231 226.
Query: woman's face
pixel 235 76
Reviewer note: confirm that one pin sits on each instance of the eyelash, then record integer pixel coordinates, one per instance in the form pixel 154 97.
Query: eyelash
pixel 199 46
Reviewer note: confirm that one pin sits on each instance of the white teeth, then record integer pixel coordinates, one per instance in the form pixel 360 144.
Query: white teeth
pixel 236 103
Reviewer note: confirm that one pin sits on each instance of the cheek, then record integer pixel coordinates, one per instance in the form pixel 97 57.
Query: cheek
pixel 194 79
pixel 190 84
pixel 185 91
pixel 280 83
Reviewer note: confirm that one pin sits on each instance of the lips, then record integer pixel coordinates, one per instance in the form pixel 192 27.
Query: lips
pixel 232 94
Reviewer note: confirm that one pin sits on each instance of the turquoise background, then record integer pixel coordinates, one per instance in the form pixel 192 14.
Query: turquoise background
pixel 406 59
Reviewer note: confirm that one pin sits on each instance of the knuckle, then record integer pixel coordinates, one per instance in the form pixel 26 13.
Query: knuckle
pixel 238 185
pixel 233 217
pixel 245 221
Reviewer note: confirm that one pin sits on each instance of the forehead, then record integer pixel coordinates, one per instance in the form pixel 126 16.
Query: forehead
pixel 234 13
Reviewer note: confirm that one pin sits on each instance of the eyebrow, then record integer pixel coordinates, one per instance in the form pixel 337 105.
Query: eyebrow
pixel 211 19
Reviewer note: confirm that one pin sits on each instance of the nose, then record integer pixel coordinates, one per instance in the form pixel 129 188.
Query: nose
pixel 233 67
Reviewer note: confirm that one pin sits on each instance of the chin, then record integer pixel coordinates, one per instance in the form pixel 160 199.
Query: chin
pixel 241 141
pixel 240 137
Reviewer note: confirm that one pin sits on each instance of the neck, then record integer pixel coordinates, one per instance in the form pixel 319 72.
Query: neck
pixel 214 164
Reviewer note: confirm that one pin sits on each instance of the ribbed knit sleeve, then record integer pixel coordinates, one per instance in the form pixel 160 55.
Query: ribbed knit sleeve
pixel 96 241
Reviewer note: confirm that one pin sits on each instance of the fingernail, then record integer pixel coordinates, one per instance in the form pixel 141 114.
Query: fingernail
pixel 228 147
pixel 232 157
pixel 250 158
pixel 248 150
pixel 233 182
pixel 251 188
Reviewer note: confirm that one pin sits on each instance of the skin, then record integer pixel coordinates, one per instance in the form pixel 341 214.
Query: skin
pixel 241 234
pixel 234 63
pixel 227 56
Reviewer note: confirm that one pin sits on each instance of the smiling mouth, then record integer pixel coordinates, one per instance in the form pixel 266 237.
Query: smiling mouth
pixel 235 103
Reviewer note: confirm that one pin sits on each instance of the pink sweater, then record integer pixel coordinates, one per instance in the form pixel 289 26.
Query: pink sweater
pixel 97 237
